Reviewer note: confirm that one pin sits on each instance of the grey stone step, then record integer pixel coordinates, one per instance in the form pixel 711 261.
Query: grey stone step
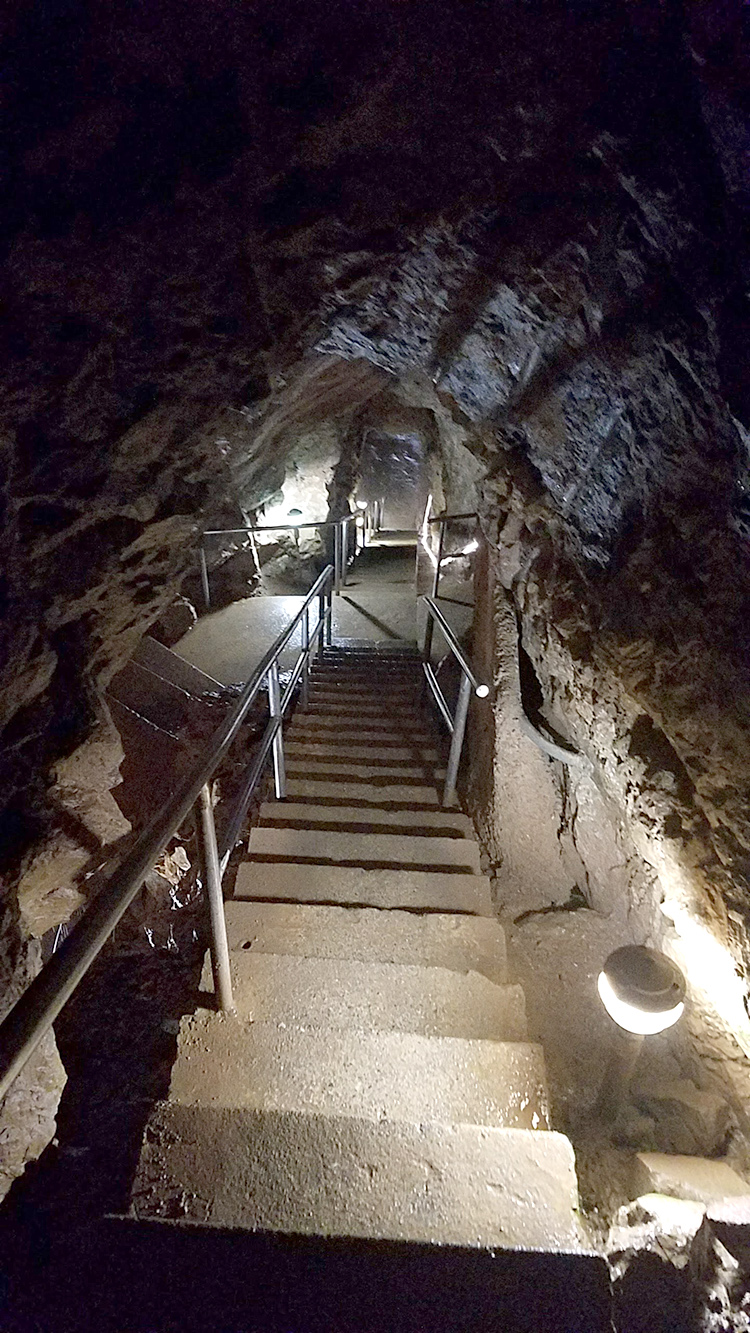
pixel 304 765
pixel 367 714
pixel 374 997
pixel 169 665
pixel 225 1062
pixel 162 703
pixel 339 691
pixel 288 814
pixel 360 848
pixel 411 890
pixel 375 753
pixel 333 721
pixel 337 1176
pixel 359 734
pixel 461 943
pixel 364 793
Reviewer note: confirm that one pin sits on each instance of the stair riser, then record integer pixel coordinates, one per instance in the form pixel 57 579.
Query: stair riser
pixel 368 996
pixel 287 813
pixel 364 848
pixel 362 794
pixel 336 1177
pixel 224 1062
pixel 460 943
pixel 408 890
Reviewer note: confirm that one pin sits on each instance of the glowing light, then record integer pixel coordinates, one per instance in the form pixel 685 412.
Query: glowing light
pixel 632 1018
pixel 482 691
pixel 711 968
pixel 361 504
pixel 471 547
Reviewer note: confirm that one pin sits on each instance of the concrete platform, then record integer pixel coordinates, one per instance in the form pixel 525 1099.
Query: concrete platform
pixel 337 1176
pixel 350 818
pixel 409 890
pixel 225 1062
pixel 361 793
pixel 373 997
pixel 358 849
pixel 461 943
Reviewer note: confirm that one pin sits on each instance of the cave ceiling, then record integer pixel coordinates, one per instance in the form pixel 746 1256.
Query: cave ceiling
pixel 224 223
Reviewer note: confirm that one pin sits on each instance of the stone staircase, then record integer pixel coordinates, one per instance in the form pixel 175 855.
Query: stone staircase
pixel 377 1079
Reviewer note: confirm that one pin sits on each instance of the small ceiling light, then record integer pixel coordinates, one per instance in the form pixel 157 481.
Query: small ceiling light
pixel 471 547
pixel 643 991
pixel 482 691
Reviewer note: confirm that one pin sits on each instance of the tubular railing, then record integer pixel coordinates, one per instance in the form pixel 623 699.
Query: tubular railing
pixel 340 546
pixel 455 722
pixel 38 1007
pixel 444 520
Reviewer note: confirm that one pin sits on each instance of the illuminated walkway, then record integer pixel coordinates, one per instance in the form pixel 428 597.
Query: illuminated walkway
pixel 376 1080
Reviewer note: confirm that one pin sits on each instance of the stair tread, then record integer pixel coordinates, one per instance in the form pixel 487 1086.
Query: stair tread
pixel 373 996
pixel 225 1062
pixel 356 848
pixel 343 1176
pixel 307 765
pixel 449 940
pixel 410 890
pixel 288 812
pixel 299 746
pixel 365 792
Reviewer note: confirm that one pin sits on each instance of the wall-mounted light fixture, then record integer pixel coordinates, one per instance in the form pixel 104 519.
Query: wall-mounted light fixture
pixel 643 991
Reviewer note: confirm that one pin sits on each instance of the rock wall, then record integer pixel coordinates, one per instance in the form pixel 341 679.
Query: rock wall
pixel 224 226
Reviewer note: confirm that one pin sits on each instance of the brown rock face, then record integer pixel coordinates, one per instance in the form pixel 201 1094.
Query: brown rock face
pixel 226 225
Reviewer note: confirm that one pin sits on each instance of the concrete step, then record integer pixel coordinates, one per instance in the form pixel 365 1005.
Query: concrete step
pixel 170 666
pixel 225 1062
pixel 357 849
pixel 376 712
pixel 374 997
pixel 341 690
pixel 305 765
pixel 360 733
pixel 411 890
pixel 163 704
pixel 333 720
pixel 460 943
pixel 303 1174
pixel 361 793
pixel 375 753
pixel 424 823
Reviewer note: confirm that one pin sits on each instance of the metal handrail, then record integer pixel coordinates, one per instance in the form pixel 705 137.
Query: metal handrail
pixel 34 1013
pixel 443 520
pixel 456 723
pixel 340 562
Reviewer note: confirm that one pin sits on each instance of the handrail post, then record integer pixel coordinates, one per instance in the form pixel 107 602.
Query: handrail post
pixel 436 575
pixel 204 576
pixel 337 558
pixel 328 627
pixel 344 551
pixel 212 880
pixel 274 704
pixel 305 687
pixel 322 623
pixel 459 727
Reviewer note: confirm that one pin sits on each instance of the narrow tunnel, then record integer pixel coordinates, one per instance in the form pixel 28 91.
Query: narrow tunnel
pixel 283 287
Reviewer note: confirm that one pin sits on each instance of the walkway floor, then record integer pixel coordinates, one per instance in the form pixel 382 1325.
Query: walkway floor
pixel 377 604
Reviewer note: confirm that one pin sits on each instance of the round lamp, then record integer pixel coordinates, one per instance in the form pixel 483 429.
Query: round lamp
pixel 643 991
